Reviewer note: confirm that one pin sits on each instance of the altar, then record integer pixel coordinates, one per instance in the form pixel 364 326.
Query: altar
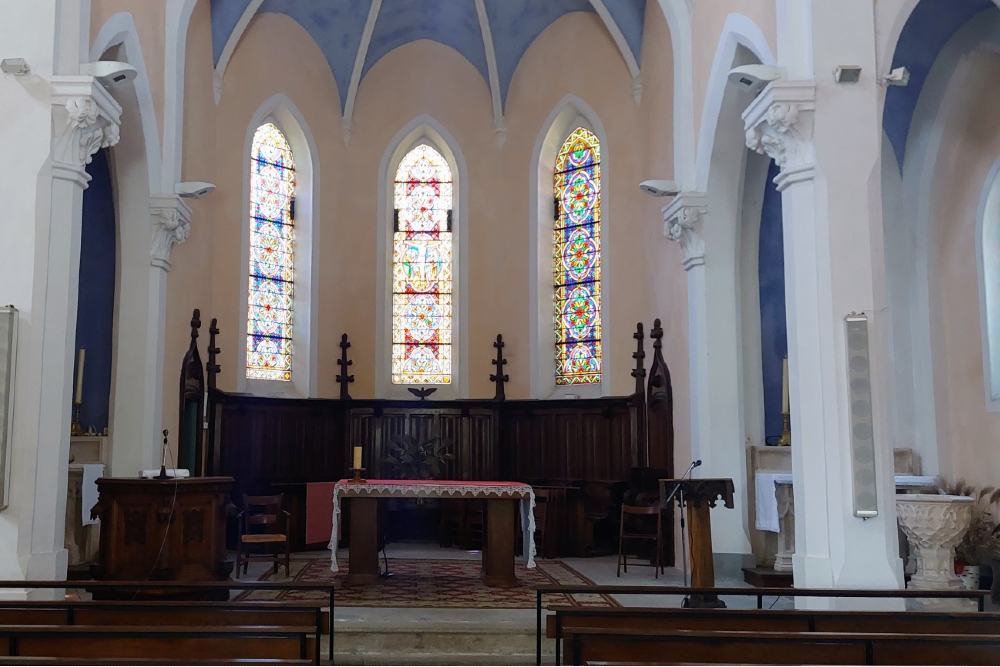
pixel 498 544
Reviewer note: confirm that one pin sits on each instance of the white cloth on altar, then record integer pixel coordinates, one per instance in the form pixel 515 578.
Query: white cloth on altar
pixel 390 489
pixel 88 490
pixel 767 502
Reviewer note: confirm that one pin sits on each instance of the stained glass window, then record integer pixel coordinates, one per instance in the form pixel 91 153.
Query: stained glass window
pixel 577 260
pixel 272 246
pixel 422 269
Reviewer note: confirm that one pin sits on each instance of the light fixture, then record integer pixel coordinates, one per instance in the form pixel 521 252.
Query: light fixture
pixel 900 76
pixel 109 72
pixel 194 189
pixel 15 66
pixel 753 78
pixel 660 188
pixel 847 73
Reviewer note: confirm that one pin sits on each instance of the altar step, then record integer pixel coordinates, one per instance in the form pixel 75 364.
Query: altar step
pixel 765 577
pixel 446 639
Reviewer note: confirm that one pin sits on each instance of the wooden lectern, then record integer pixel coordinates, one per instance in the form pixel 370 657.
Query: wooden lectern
pixel 163 530
pixel 699 496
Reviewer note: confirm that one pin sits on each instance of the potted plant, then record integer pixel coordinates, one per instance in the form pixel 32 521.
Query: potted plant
pixel 981 544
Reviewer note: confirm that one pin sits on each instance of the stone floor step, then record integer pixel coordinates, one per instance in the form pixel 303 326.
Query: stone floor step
pixel 439 659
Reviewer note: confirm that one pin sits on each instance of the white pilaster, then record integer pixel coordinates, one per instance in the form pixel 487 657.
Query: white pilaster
pixel 84 119
pixel 832 243
pixel 716 438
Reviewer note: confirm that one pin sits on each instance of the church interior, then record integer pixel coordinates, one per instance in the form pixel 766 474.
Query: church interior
pixel 500 332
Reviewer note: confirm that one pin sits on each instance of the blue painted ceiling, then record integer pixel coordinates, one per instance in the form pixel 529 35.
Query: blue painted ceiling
pixel 337 27
pixel 927 30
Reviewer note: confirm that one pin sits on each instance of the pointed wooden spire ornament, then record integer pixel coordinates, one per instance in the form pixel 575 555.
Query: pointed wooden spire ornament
pixel 213 367
pixel 499 377
pixel 639 372
pixel 344 379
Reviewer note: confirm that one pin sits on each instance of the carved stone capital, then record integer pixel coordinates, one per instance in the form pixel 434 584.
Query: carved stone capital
pixel 85 119
pixel 682 220
pixel 171 225
pixel 779 124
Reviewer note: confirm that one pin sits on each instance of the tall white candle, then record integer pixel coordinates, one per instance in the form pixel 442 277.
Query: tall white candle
pixel 784 386
pixel 78 397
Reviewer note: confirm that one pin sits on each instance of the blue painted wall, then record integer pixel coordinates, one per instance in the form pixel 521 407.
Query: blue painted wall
pixel 773 333
pixel 96 311
pixel 927 30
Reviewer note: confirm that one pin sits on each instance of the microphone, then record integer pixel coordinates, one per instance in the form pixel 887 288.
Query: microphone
pixel 696 463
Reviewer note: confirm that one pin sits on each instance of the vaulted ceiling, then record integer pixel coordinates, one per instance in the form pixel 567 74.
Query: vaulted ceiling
pixel 492 34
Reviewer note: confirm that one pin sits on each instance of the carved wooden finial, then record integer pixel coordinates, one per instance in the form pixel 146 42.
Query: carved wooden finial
pixel 656 334
pixel 499 378
pixel 639 372
pixel 195 322
pixel 344 378
pixel 212 366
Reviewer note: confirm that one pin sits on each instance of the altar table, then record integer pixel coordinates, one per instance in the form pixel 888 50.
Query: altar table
pixel 498 541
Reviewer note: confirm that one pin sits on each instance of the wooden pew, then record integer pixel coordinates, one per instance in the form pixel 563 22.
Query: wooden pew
pixel 565 619
pixel 636 646
pixel 177 643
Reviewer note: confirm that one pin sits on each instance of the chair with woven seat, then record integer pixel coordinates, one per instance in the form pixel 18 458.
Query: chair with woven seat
pixel 633 532
pixel 263 522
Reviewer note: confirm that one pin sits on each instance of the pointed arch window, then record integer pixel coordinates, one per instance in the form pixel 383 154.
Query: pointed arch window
pixel 422 269
pixel 577 260
pixel 272 255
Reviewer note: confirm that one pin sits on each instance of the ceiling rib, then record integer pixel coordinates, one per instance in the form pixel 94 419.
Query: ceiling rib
pixel 227 51
pixel 619 37
pixel 359 65
pixel 499 126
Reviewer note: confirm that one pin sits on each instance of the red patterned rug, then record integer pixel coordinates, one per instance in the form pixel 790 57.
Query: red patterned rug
pixel 440 583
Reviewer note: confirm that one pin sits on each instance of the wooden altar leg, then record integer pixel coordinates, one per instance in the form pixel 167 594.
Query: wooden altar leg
pixel 498 543
pixel 363 567
pixel 702 566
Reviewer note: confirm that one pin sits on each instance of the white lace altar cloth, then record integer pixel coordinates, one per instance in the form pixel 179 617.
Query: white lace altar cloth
pixel 391 488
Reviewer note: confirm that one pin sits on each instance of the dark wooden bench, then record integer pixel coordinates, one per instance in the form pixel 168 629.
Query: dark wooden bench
pixel 178 643
pixel 83 612
pixel 564 619
pixel 34 660
pixel 637 646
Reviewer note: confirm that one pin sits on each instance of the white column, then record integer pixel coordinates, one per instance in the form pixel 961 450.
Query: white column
pixel 827 153
pixel 142 312
pixel 84 119
pixel 716 435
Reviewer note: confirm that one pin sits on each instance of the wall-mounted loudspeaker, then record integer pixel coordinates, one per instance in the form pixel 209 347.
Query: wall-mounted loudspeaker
pixel 862 428
pixel 8 356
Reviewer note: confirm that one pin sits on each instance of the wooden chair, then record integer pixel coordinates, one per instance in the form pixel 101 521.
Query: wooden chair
pixel 541 512
pixel 259 524
pixel 475 524
pixel 636 534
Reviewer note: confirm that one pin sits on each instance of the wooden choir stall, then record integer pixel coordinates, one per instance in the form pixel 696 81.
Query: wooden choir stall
pixel 585 456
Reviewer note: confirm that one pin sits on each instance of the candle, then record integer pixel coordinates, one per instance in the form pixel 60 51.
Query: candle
pixel 78 396
pixel 357 457
pixel 784 386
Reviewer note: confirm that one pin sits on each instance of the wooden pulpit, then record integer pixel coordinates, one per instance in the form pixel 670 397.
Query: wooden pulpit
pixel 697 497
pixel 163 530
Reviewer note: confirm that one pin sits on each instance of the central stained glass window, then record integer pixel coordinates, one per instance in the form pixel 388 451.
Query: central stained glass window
pixel 422 269
pixel 272 244
pixel 577 260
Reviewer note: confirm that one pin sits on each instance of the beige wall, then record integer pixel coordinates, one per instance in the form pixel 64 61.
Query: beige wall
pixel 574 55
pixel 969 148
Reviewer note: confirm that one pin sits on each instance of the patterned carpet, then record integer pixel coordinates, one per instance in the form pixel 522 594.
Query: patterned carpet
pixel 438 583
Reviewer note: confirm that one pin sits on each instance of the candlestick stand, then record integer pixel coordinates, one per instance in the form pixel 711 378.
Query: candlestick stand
pixel 75 428
pixel 786 430
pixel 356 476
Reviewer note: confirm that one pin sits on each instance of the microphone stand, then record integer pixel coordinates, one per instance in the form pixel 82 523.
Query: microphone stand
pixel 677 488
pixel 163 459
